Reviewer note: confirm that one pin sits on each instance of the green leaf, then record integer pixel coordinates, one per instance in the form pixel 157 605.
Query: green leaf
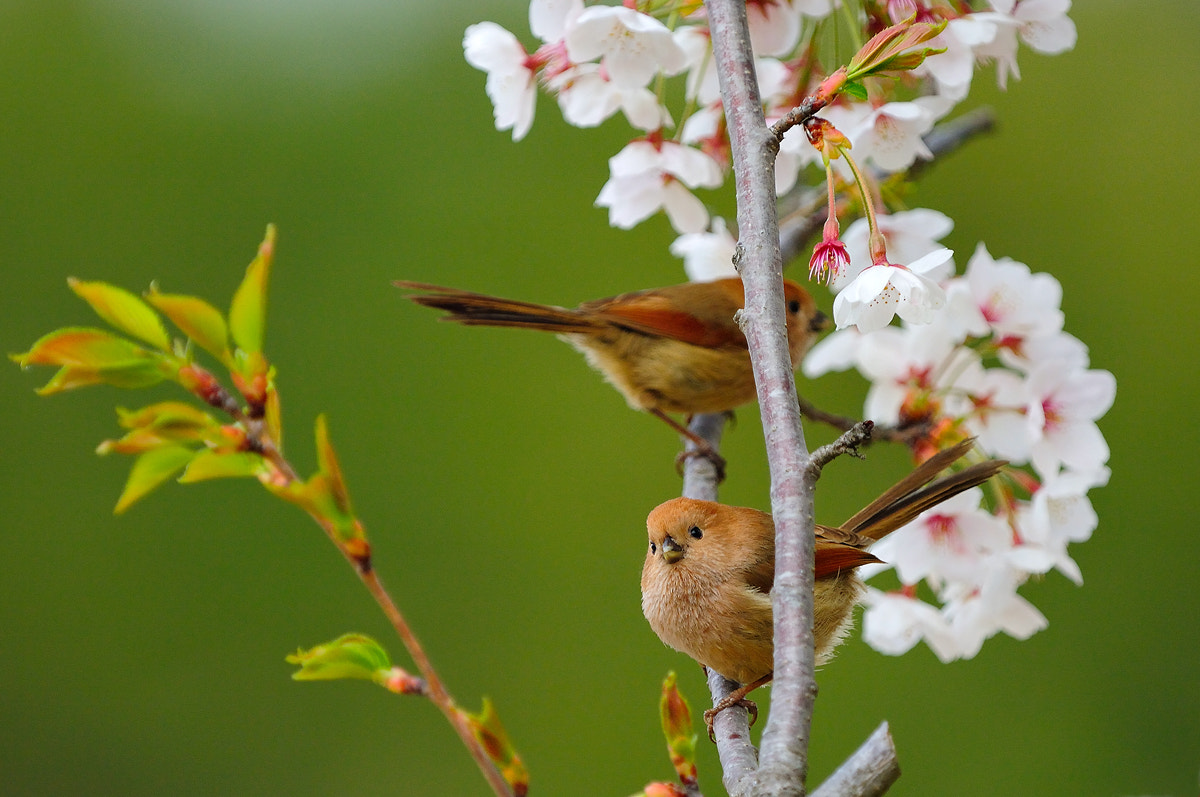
pixel 83 347
pixel 166 416
pixel 209 464
pixel 197 319
pixel 348 656
pixel 490 733
pixel 328 463
pixel 132 375
pixel 93 357
pixel 123 310
pixel 150 470
pixel 165 422
pixel 247 312
pixel 856 90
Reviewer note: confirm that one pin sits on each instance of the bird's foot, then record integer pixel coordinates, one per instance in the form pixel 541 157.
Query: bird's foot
pixel 731 700
pixel 707 452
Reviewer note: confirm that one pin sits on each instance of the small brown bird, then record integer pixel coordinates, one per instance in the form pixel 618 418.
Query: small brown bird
pixel 673 349
pixel 709 570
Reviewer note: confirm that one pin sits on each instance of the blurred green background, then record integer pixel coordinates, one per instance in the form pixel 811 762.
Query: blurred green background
pixel 505 487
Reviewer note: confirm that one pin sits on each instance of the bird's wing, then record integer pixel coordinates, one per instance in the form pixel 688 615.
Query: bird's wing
pixel 838 550
pixel 657 312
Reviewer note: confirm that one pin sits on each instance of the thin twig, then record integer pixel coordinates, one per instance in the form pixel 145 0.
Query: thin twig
pixel 437 690
pixel 848 443
pixel 257 438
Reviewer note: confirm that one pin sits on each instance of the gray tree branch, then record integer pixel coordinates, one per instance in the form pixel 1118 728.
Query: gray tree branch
pixel 784 754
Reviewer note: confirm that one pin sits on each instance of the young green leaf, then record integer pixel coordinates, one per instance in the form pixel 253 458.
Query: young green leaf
pixel 489 731
pixel 123 310
pixel 132 375
pixel 83 347
pixel 150 470
pixel 328 463
pixel 209 464
pixel 247 312
pixel 197 319
pixel 348 656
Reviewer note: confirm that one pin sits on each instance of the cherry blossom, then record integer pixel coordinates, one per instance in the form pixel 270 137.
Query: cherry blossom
pixel 1016 303
pixel 949 543
pixel 890 136
pixel 1064 405
pixel 707 255
pixel 587 98
pixel 910 235
pixel 549 19
pixel 774 26
pixel 977 613
pixel 632 47
pixel 646 176
pixel 882 292
pixel 511 85
pixel 1042 24
pixel 893 623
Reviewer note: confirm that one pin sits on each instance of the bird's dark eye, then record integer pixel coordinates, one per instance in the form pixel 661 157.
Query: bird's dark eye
pixel 695 532
pixel 794 306
pixel 653 548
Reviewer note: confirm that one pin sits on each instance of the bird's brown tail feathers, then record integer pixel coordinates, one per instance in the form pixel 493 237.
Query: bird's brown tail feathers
pixel 914 494
pixel 477 309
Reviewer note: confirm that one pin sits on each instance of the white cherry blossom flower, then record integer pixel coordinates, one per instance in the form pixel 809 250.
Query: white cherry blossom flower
pixel 646 176
pixel 899 361
pixel 632 47
pixel 774 26
pixel 1041 24
pixel 890 136
pixel 1015 302
pixel 701 84
pixel 1059 514
pixel 1064 405
pixel 882 292
pixel 707 256
pixel 953 69
pixel 894 622
pixel 511 83
pixel 910 235
pixel 837 351
pixel 549 19
pixel 977 613
pixel 997 416
pixel 949 543
pixel 587 98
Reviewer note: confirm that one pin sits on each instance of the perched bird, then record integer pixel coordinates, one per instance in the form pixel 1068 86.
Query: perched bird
pixel 672 349
pixel 709 570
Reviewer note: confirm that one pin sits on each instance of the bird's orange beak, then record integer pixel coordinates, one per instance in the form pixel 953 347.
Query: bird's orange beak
pixel 672 552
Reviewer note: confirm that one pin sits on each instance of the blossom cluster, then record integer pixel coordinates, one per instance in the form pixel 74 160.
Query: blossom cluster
pixel 995 364
pixel 983 354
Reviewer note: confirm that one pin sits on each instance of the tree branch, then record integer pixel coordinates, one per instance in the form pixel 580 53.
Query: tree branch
pixel 784 751
pixel 870 772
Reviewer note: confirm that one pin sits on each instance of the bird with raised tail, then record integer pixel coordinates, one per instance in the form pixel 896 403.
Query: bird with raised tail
pixel 709 569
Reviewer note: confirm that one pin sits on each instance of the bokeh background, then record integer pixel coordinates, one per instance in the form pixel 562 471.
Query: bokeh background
pixel 505 487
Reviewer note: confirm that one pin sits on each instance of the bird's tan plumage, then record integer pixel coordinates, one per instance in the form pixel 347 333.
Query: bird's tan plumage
pixel 710 567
